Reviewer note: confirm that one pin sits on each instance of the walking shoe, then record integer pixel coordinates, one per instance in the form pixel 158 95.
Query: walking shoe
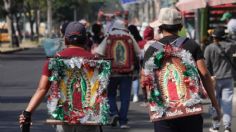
pixel 124 126
pixel 114 120
pixel 227 129
pixel 214 129
pixel 135 98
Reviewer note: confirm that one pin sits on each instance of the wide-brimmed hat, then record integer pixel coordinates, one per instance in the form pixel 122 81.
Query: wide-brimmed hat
pixel 167 16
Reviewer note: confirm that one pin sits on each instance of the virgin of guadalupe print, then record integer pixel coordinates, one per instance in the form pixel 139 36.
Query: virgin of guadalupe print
pixel 120 51
pixel 174 87
pixel 78 91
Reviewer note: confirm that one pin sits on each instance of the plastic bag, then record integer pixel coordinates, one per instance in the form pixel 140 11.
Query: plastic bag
pixel 52 46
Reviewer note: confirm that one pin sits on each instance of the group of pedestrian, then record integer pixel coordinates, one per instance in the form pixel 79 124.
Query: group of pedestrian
pixel 131 57
pixel 220 63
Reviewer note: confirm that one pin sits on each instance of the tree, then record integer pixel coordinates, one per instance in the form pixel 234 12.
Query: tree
pixel 9 8
pixel 2 11
pixel 32 11
pixel 49 17
pixel 17 11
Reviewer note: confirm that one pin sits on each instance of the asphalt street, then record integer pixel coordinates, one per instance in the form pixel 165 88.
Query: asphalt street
pixel 19 75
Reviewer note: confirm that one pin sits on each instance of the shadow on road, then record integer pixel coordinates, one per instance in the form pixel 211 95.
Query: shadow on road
pixel 26 55
pixel 15 99
pixel 9 121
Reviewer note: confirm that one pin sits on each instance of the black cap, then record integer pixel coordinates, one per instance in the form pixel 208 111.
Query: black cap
pixel 75 32
pixel 219 32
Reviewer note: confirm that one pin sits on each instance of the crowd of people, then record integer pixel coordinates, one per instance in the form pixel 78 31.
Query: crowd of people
pixel 129 58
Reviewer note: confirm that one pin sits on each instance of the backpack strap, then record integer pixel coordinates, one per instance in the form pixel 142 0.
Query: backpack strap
pixel 179 41
pixel 157 45
pixel 58 55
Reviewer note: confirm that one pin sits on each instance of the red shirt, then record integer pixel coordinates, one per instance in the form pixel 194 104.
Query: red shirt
pixel 68 52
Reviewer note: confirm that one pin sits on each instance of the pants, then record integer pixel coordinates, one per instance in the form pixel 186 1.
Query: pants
pixel 184 124
pixel 77 128
pixel 124 85
pixel 145 95
pixel 135 86
pixel 224 95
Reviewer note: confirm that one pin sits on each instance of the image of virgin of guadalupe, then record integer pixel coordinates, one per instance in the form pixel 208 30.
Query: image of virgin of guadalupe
pixel 120 54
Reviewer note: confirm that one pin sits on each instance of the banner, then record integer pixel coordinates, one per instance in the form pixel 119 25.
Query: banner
pixel 187 5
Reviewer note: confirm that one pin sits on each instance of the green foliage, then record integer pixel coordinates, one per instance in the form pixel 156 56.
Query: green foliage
pixel 63 10
pixel 1 10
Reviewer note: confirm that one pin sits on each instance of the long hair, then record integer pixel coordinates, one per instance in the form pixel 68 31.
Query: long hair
pixel 134 31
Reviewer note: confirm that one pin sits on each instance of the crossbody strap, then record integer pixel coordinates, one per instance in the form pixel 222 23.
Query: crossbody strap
pixel 157 45
pixel 226 56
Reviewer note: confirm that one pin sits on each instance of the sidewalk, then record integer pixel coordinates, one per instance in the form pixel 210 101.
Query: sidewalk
pixel 7 48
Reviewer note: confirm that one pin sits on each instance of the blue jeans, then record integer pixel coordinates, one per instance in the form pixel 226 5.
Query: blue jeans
pixel 224 94
pixel 124 85
pixel 135 87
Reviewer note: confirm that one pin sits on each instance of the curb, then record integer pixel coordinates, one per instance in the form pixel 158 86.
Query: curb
pixel 12 50
pixel 17 49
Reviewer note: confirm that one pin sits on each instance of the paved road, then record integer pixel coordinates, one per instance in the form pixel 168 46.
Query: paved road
pixel 19 75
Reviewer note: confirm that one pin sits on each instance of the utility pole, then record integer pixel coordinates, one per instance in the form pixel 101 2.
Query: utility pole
pixel 49 18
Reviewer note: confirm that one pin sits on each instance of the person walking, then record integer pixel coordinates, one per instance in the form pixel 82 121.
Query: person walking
pixel 75 40
pixel 230 22
pixel 97 35
pixel 169 23
pixel 148 39
pixel 135 83
pixel 121 48
pixel 217 56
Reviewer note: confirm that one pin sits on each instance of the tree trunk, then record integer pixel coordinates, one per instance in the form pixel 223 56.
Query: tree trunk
pixel 37 19
pixel 15 41
pixel 18 27
pixel 7 5
pixel 49 18
pixel 31 30
pixel 36 12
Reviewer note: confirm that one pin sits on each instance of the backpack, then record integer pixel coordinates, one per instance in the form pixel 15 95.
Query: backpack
pixel 52 46
pixel 78 91
pixel 121 51
pixel 176 88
